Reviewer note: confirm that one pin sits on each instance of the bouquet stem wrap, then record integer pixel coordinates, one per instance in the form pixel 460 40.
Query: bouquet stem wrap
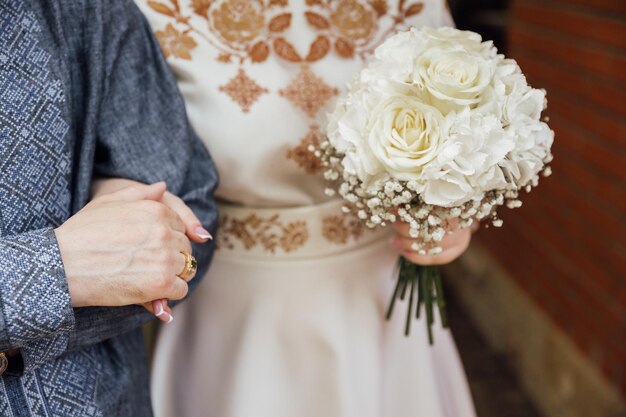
pixel 425 289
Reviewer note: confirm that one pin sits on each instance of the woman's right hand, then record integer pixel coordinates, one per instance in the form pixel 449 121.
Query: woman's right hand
pixel 124 248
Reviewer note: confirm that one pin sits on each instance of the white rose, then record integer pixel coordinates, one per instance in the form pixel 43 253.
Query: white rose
pixel 404 135
pixel 469 41
pixel 453 77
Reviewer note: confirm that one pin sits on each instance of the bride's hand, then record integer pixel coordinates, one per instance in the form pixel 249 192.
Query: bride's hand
pixel 193 227
pixel 453 244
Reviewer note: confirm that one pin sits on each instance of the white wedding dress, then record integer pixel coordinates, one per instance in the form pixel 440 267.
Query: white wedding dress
pixel 289 322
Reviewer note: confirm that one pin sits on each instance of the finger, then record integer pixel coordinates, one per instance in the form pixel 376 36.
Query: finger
pixel 401 242
pixel 157 212
pixel 180 243
pixel 193 226
pixel 402 229
pixel 455 238
pixel 173 219
pixel 168 309
pixel 178 290
pixel 159 307
pixel 183 269
pixel 442 258
pixel 138 192
pixel 148 306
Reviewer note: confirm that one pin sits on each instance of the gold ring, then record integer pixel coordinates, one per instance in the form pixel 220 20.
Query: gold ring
pixel 191 266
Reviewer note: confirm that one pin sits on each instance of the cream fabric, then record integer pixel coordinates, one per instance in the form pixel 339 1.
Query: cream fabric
pixel 304 336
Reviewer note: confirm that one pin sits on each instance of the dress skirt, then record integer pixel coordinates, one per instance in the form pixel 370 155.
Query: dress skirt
pixel 289 322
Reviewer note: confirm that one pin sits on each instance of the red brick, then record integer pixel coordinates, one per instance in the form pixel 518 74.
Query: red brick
pixel 580 115
pixel 585 26
pixel 608 195
pixel 596 62
pixel 610 6
pixel 600 94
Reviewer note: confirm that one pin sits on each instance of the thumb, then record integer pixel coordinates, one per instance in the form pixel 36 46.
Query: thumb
pixel 138 192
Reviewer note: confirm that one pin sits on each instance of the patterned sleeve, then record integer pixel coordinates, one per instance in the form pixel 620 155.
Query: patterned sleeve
pixel 143 135
pixel 35 306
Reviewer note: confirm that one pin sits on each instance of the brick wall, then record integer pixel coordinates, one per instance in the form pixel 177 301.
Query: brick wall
pixel 567 245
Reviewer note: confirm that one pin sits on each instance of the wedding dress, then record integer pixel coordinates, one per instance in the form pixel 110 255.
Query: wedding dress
pixel 289 322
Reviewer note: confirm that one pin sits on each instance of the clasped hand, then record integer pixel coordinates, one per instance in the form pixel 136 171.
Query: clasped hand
pixel 124 247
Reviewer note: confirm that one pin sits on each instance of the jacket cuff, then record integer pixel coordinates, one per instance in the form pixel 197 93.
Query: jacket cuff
pixel 36 311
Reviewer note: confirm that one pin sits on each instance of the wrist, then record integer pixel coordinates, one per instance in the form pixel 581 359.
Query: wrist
pixel 75 285
pixel 103 186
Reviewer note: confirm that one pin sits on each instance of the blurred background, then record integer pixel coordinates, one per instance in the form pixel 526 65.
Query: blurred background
pixel 539 306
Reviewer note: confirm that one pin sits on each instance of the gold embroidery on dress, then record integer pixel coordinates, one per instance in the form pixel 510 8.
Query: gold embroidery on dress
pixel 308 92
pixel 302 155
pixel 243 90
pixel 249 32
pixel 238 21
pixel 338 229
pixel 243 27
pixel 354 20
pixel 175 43
pixel 269 233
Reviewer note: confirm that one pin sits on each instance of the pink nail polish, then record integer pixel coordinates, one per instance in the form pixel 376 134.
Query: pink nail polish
pixel 202 233
pixel 157 306
pixel 159 311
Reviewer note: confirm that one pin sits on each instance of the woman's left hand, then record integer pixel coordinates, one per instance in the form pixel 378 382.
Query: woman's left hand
pixel 194 230
pixel 453 244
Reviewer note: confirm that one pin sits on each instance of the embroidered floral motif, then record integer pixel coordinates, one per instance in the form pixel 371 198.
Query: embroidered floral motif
pixel 271 234
pixel 294 236
pixel 303 156
pixel 353 20
pixel 379 6
pixel 308 92
pixel 175 43
pixel 338 229
pixel 201 7
pixel 246 26
pixel 268 233
pixel 243 90
pixel 238 21
pixel 241 31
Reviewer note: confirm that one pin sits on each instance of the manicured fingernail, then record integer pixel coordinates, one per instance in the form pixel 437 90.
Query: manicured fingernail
pixel 157 305
pixel 166 317
pixel 202 233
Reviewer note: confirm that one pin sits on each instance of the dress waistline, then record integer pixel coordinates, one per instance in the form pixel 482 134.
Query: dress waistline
pixel 300 232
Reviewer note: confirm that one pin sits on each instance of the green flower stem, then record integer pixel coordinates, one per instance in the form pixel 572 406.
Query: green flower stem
pixel 426 281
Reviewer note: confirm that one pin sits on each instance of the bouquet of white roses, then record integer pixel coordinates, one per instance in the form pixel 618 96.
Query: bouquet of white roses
pixel 438 126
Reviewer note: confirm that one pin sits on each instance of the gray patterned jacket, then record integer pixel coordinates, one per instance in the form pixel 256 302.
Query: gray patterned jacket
pixel 84 91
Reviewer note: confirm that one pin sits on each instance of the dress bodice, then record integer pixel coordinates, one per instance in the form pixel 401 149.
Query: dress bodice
pixel 258 78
